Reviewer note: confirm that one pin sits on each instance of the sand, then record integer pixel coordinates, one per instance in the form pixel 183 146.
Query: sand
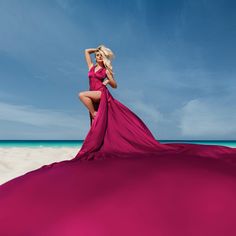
pixel 16 161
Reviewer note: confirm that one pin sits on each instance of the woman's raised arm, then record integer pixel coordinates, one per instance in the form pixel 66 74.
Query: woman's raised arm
pixel 87 56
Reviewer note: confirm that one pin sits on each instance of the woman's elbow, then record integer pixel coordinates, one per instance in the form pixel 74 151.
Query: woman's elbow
pixel 115 85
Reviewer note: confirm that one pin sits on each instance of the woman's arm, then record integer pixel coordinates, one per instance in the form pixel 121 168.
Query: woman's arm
pixel 105 82
pixel 110 80
pixel 87 56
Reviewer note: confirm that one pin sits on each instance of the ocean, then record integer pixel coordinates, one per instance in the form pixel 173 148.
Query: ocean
pixel 78 143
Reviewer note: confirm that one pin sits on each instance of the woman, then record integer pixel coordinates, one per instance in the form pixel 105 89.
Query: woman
pixel 97 74
pixel 118 131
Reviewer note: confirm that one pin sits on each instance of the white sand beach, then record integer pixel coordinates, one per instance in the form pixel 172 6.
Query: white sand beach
pixel 16 161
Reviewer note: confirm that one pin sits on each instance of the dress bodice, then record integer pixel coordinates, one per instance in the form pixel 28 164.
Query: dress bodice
pixel 96 78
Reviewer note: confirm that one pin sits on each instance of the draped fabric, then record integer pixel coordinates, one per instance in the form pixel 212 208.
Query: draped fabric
pixel 124 182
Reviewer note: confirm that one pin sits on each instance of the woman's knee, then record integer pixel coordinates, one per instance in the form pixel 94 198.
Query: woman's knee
pixel 81 95
pixel 95 97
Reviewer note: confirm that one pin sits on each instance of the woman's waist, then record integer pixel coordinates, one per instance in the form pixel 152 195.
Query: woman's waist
pixel 96 78
pixel 95 85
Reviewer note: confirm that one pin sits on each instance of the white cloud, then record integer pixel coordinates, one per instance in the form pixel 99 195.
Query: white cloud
pixel 208 117
pixel 5 95
pixel 135 100
pixel 40 117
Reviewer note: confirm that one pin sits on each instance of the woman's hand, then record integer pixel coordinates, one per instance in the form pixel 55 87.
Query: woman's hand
pixel 105 82
pixel 91 50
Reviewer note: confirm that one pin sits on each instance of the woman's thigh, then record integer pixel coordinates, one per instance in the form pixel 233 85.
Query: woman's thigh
pixel 94 95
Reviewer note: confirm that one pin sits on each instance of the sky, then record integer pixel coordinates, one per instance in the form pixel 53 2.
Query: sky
pixel 175 66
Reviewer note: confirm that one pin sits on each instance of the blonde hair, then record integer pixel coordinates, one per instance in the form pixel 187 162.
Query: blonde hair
pixel 108 56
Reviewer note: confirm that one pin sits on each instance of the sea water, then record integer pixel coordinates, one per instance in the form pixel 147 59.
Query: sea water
pixel 78 143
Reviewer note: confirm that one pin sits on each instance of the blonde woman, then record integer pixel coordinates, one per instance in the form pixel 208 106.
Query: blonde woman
pixel 100 75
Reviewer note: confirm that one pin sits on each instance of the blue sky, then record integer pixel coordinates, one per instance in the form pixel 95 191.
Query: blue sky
pixel 175 65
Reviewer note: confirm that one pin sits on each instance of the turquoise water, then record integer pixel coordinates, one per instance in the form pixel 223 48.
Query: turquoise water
pixel 78 143
pixel 227 143
pixel 41 143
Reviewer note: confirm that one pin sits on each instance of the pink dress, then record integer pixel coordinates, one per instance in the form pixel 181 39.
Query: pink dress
pixel 95 84
pixel 124 182
pixel 96 78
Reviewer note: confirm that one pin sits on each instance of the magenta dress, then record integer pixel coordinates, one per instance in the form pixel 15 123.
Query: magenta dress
pixel 124 182
pixel 95 83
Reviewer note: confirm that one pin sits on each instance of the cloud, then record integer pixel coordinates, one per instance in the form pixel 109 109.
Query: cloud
pixel 135 100
pixel 40 117
pixel 5 95
pixel 203 117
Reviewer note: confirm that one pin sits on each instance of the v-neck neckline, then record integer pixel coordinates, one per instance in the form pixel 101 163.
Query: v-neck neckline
pixel 97 70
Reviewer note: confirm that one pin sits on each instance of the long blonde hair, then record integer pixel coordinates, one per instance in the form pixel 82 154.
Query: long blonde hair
pixel 108 56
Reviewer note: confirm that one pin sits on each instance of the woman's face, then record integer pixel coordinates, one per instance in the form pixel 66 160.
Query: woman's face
pixel 98 57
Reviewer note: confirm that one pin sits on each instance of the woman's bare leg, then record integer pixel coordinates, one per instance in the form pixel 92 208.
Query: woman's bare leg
pixel 87 97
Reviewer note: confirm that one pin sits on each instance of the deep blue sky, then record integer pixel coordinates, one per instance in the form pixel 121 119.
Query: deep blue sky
pixel 175 65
